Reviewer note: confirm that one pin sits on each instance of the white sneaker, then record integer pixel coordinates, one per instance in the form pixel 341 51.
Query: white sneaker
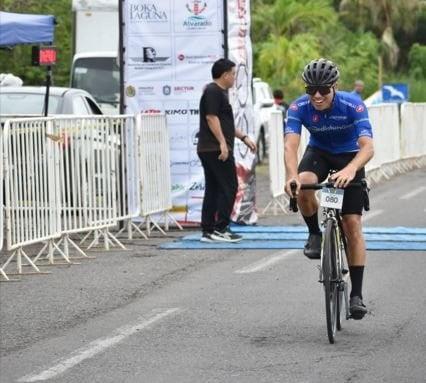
pixel 226 236
pixel 207 237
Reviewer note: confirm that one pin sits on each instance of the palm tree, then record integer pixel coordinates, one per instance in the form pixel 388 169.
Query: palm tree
pixel 289 17
pixel 385 18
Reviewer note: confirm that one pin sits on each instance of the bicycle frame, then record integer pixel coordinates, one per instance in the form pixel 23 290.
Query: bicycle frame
pixel 334 244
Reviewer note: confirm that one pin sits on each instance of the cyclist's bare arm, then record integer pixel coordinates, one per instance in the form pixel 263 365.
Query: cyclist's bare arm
pixel 291 145
pixel 347 174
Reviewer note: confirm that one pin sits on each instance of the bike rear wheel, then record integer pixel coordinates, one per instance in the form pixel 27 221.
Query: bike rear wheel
pixel 329 277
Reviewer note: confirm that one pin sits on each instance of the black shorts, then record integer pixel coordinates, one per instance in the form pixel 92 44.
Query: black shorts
pixel 320 162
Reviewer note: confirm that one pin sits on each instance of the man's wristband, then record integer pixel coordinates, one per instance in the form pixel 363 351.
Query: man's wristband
pixel 243 138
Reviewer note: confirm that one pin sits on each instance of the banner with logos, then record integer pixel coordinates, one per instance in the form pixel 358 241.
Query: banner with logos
pixel 240 52
pixel 169 48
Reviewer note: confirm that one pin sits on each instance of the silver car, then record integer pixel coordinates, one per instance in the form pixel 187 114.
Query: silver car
pixel 29 101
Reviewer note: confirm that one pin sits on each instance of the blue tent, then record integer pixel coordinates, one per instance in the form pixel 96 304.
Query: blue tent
pixel 16 28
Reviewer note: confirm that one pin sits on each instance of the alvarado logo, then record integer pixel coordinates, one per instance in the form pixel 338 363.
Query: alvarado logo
pixel 196 20
pixel 147 12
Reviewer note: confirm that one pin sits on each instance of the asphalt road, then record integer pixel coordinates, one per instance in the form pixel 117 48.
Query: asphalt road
pixel 151 315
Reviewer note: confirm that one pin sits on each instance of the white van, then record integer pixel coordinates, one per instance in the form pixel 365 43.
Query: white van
pixel 98 73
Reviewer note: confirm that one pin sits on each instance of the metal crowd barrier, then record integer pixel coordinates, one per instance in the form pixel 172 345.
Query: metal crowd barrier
pixel 276 164
pixel 386 130
pixel 69 175
pixel 32 203
pixel 413 132
pixel 88 178
pixel 2 201
pixel 155 171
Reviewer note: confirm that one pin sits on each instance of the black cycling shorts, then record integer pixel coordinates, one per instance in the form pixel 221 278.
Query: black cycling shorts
pixel 320 162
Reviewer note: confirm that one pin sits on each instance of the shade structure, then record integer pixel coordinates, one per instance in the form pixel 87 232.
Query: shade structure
pixel 17 28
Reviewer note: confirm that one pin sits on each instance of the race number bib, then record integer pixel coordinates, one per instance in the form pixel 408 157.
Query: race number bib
pixel 332 198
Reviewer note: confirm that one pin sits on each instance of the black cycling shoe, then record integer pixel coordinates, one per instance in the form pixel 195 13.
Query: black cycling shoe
pixel 313 246
pixel 357 308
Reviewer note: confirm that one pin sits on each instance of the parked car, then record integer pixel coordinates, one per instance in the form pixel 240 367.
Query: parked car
pixel 29 101
pixel 263 105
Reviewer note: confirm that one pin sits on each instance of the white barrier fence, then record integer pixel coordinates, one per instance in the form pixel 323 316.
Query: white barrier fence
pixel 155 168
pixel 413 130
pixel 89 178
pixel 400 144
pixel 32 200
pixel 1 191
pixel 276 163
pixel 69 175
pixel 386 131
pixel 2 273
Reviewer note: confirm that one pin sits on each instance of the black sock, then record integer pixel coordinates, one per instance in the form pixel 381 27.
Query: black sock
pixel 356 273
pixel 312 223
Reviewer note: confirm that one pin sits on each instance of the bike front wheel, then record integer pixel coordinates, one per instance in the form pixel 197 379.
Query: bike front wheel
pixel 329 277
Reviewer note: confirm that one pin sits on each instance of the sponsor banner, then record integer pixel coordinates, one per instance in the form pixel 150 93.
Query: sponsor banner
pixel 169 48
pixel 240 52
pixel 152 16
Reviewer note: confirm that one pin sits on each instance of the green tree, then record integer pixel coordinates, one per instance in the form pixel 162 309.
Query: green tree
pixel 18 60
pixel 290 17
pixel 388 19
pixel 417 61
pixel 356 55
pixel 287 34
pixel 280 60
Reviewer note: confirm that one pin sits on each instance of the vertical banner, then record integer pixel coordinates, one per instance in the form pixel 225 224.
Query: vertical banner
pixel 169 49
pixel 240 51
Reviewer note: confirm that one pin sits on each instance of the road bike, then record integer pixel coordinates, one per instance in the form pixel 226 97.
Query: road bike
pixel 334 273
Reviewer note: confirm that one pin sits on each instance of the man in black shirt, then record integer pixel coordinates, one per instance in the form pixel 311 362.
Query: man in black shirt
pixel 215 149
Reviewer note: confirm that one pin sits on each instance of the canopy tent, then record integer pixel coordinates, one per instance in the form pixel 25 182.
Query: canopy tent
pixel 16 28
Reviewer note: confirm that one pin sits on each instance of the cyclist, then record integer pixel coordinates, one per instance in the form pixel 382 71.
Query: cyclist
pixel 340 139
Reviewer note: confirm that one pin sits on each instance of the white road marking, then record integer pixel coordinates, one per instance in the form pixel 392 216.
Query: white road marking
pixel 265 262
pixel 413 192
pixel 373 214
pixel 95 347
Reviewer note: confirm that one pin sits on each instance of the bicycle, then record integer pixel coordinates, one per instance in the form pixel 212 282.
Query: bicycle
pixel 333 271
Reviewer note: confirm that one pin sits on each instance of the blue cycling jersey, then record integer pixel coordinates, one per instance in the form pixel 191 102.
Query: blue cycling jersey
pixel 334 130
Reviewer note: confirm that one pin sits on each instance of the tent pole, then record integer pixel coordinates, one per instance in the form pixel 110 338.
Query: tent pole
pixel 46 97
pixel 121 27
pixel 225 29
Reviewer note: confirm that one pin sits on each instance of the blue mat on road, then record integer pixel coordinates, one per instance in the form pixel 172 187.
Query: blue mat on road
pixel 279 236
pixel 294 237
pixel 303 229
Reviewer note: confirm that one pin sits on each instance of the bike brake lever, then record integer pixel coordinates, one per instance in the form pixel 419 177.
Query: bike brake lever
pixel 293 200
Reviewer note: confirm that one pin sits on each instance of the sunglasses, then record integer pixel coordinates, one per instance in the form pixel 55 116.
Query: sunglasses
pixel 322 89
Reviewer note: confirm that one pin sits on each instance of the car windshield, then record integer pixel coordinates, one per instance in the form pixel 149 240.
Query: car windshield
pixel 99 76
pixel 26 103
